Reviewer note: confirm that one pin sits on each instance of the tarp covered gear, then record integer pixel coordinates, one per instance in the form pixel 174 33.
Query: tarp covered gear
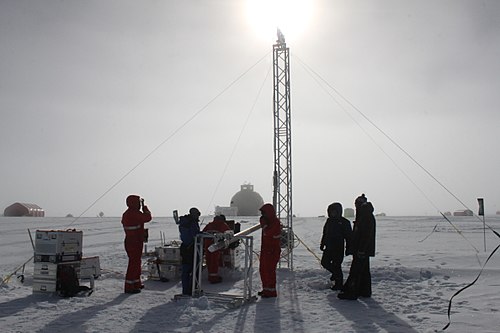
pixel 67 281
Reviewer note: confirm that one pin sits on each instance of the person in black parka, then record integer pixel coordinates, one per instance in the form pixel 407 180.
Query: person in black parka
pixel 363 247
pixel 337 233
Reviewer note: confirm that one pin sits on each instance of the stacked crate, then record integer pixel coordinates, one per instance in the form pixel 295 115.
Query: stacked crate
pixel 45 277
pixel 54 248
pixel 167 263
pixel 90 268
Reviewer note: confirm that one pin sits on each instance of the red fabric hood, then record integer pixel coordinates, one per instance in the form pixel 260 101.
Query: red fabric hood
pixel 268 210
pixel 134 202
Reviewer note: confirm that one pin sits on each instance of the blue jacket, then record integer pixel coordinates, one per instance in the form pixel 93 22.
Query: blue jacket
pixel 188 229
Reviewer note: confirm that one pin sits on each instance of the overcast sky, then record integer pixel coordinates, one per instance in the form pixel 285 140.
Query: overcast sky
pixel 95 91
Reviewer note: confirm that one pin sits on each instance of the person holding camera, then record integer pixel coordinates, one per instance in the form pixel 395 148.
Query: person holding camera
pixel 133 220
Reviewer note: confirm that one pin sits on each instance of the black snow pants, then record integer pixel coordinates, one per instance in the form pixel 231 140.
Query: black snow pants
pixel 332 262
pixel 359 282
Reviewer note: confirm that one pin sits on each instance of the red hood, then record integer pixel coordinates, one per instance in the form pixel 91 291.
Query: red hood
pixel 268 210
pixel 134 202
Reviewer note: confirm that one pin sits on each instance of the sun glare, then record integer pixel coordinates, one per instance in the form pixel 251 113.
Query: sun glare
pixel 291 16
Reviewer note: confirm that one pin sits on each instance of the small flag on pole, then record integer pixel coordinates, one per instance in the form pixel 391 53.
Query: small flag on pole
pixel 480 201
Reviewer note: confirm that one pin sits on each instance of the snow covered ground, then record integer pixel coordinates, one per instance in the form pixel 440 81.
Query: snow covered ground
pixel 412 284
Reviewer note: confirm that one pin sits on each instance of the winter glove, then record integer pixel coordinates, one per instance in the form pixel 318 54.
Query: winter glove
pixel 228 234
pixel 322 247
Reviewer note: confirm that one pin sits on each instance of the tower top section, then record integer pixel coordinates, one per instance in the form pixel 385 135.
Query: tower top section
pixel 281 37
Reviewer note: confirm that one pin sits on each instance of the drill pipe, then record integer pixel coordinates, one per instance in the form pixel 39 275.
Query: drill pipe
pixel 225 243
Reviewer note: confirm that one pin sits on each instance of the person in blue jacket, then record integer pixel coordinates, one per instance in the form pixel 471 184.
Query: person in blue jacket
pixel 188 229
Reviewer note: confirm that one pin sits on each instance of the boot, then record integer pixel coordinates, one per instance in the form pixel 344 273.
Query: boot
pixel 337 286
pixel 132 291
pixel 215 279
pixel 268 294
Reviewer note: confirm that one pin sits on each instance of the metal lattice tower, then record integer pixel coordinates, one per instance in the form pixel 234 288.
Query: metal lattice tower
pixel 282 196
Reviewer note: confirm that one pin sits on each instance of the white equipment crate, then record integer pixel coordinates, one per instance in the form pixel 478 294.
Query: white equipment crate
pixel 45 271
pixel 45 275
pixel 90 267
pixel 58 242
pixel 57 258
pixel 167 271
pixel 169 254
pixel 44 285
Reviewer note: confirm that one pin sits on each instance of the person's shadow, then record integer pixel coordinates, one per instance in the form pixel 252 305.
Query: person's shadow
pixel 19 304
pixel 367 315
pixel 171 315
pixel 267 316
pixel 79 318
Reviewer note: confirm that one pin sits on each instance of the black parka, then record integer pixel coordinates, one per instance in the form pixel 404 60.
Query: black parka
pixel 363 239
pixel 337 231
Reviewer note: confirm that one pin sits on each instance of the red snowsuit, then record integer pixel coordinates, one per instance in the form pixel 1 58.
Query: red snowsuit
pixel 213 258
pixel 270 250
pixel 133 224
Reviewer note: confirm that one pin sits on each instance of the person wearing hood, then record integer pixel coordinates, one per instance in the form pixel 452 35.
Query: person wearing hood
pixel 188 229
pixel 270 250
pixel 133 224
pixel 363 247
pixel 217 226
pixel 336 237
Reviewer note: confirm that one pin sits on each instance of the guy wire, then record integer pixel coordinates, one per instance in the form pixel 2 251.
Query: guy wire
pixel 252 108
pixel 170 136
pixel 232 83
pixel 382 132
pixel 309 70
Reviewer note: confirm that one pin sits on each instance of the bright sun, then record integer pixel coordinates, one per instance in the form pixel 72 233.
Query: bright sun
pixel 291 16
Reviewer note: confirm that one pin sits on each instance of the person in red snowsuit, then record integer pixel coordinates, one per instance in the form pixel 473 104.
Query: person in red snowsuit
pixel 270 250
pixel 218 225
pixel 133 224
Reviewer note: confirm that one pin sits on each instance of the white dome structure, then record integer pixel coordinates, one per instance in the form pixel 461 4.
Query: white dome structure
pixel 247 201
